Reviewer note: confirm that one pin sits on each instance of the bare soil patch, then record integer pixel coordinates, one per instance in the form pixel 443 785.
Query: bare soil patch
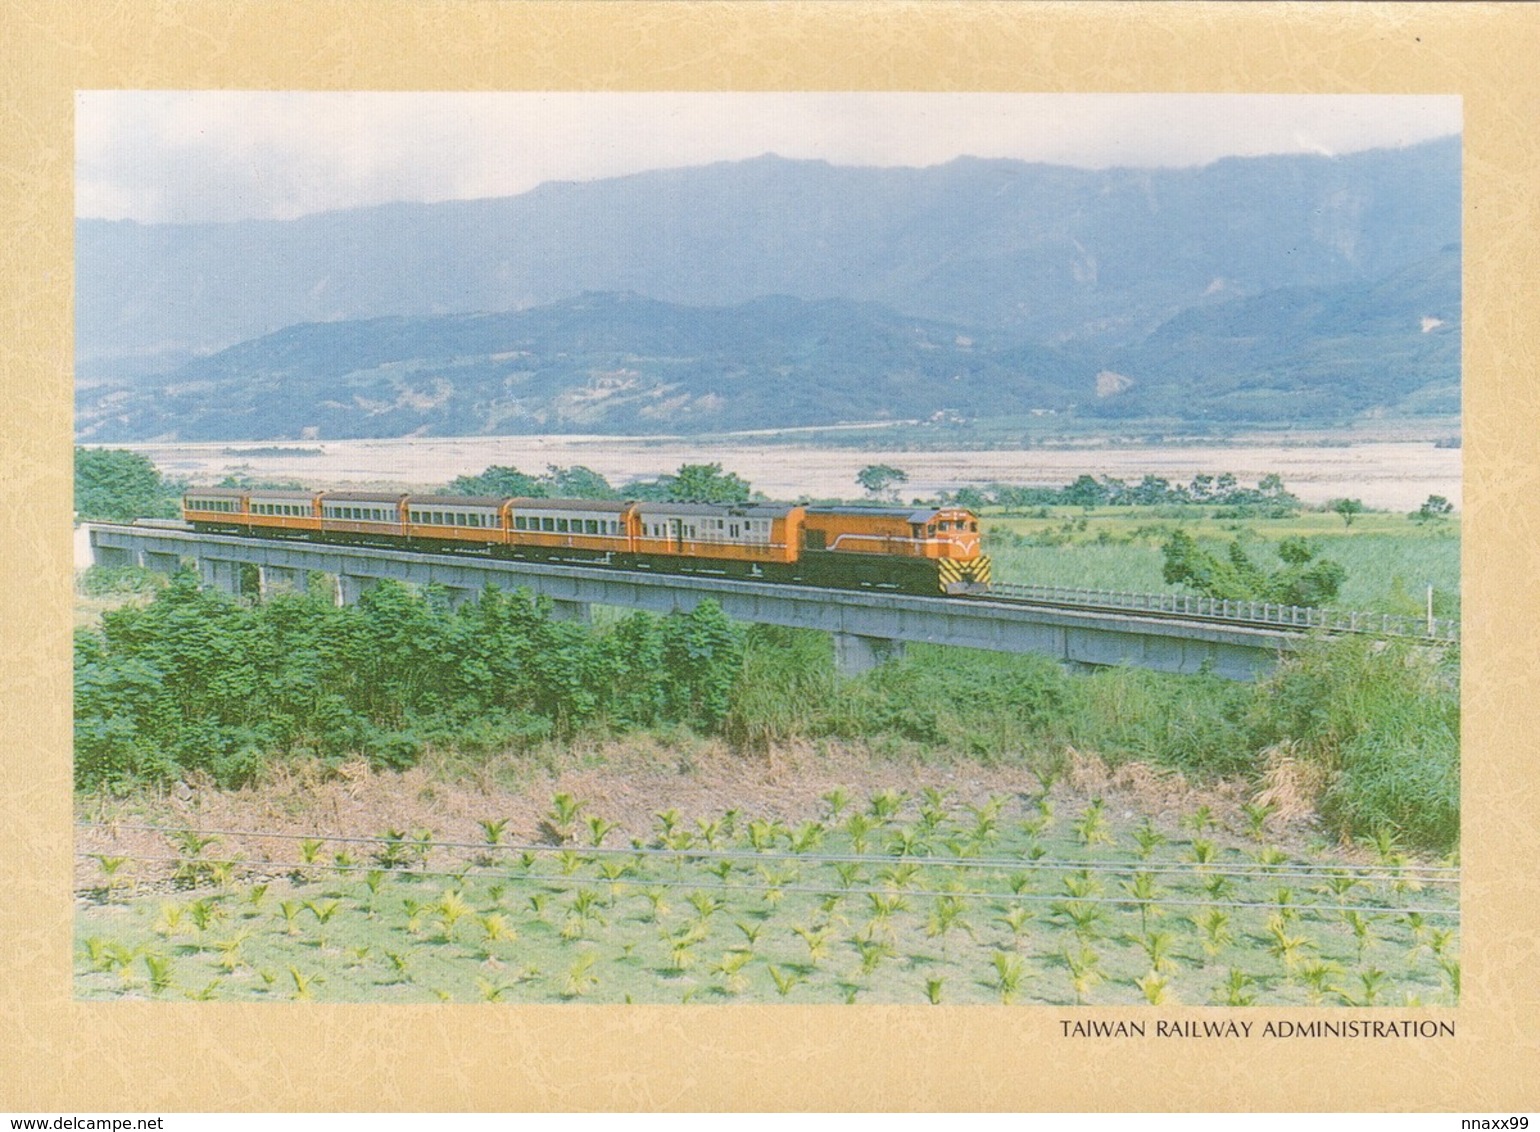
pixel 627 782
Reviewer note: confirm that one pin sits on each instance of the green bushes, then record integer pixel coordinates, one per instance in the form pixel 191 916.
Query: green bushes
pixel 196 680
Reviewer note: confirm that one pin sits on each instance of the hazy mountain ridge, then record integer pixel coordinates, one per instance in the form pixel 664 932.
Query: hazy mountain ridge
pixel 1040 252
pixel 624 363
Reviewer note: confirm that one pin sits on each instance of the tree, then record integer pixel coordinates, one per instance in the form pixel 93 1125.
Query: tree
pixel 1347 508
pixel 881 480
pixel 500 482
pixel 1435 509
pixel 1086 492
pixel 1304 579
pixel 113 484
pixel 706 483
pixel 578 482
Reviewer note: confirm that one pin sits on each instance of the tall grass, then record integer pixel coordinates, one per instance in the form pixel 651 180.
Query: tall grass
pixel 1382 720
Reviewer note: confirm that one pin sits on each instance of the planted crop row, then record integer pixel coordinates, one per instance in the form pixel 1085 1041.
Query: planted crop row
pixel 898 900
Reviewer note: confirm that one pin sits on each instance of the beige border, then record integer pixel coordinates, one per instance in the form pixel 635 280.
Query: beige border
pixel 56 1054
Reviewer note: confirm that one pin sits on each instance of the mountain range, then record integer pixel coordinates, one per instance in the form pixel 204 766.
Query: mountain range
pixel 773 292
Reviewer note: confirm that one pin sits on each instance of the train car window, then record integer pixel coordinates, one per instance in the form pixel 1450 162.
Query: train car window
pixel 547 523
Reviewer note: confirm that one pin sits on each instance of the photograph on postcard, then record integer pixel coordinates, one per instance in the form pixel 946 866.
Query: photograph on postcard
pixel 779 548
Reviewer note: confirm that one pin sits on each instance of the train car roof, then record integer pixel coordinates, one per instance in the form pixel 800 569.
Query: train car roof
pixel 282 493
pixel 742 510
pixel 216 492
pixel 455 500
pixel 364 496
pixel 531 503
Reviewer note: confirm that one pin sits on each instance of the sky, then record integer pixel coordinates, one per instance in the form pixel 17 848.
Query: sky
pixel 201 156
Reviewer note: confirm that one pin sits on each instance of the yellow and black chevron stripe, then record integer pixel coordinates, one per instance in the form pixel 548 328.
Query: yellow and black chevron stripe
pixel 951 573
pixel 955 576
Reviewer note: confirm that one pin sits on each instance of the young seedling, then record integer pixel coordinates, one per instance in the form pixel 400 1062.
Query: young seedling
pixel 945 918
pixel 1155 989
pixel 872 951
pixel 1010 970
pixel 1015 919
pixel 838 800
pixel 110 867
pixel 303 984
pixel 204 913
pixel 859 828
pixel 807 837
pixel 451 908
pixel 1317 978
pixel 170 920
pixel 816 940
pixel 730 970
pixel 1157 946
pixel 1362 928
pixel 490 991
pixel 562 817
pixel 1256 819
pixel 1148 839
pixel 230 951
pixel 160 968
pixel 784 980
pixel 599 829
pixel 1091 826
pixel 710 831
pixel 1287 948
pixel 1084 971
pixel 886 804
pixel 1236 990
pixel 1201 820
pixel 1142 887
pixel 392 853
pixel 1213 926
pixel 580 979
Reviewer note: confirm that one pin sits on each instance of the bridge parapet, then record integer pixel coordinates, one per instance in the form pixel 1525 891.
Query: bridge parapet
pixel 868 626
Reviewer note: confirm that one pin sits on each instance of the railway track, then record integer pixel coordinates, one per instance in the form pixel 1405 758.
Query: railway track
pixel 1192 608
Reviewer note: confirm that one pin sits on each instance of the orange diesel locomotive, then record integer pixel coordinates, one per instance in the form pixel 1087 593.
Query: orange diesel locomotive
pixel 923 550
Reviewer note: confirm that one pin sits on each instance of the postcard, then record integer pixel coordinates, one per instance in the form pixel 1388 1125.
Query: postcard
pixel 899 558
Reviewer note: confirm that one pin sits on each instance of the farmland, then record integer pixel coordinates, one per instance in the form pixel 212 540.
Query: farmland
pixel 1040 896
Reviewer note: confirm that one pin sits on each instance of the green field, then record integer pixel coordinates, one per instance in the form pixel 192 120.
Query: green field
pixel 889 898
pixel 1390 560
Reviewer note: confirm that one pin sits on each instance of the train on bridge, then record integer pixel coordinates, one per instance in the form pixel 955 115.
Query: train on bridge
pixel 920 550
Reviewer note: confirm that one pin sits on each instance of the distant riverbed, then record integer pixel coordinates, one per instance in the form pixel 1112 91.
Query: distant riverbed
pixel 1397 475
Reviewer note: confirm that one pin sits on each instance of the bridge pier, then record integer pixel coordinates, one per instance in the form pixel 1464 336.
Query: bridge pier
pixel 570 611
pixel 855 654
pixel 162 563
pixel 110 557
pixel 277 579
pixel 351 587
pixel 220 574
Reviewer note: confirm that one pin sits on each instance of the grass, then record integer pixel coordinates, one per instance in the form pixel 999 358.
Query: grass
pixel 1389 559
pixel 1004 902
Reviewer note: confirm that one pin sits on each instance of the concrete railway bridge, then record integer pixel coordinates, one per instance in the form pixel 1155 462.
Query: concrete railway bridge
pixel 868 626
